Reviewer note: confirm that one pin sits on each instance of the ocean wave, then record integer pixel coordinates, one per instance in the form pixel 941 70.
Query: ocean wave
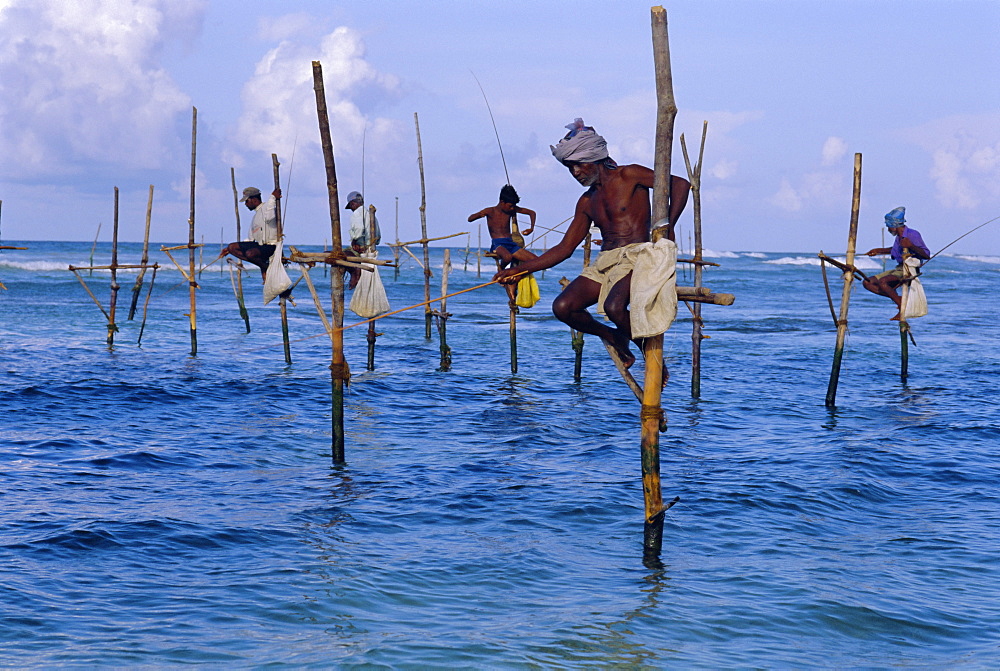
pixel 861 262
pixel 978 259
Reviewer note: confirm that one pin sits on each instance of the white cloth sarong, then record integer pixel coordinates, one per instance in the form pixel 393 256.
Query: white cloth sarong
pixel 369 299
pixel 653 296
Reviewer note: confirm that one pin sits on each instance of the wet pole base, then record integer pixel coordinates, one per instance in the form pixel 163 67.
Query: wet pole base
pixel 652 532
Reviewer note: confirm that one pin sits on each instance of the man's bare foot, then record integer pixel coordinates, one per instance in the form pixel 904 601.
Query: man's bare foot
pixel 624 352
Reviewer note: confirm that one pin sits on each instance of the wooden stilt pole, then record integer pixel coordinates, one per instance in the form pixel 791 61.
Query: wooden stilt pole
pixel 904 328
pixel 578 335
pixel 694 176
pixel 479 252
pixel 372 335
pixel 845 297
pixel 282 300
pixel 244 315
pixel 513 334
pixel 652 412
pixel 145 305
pixel 112 327
pixel 339 372
pixel 192 284
pixel 423 232
pixel 442 314
pixel 92 248
pixel 137 289
pixel 395 250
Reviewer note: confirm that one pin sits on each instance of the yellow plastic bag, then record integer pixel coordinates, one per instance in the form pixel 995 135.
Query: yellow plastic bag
pixel 527 292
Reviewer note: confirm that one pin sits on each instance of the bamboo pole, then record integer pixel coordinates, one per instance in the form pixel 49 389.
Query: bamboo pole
pixel 479 251
pixel 904 327
pixel 395 250
pixel 845 297
pixel 372 335
pixel 513 328
pixel 93 247
pixel 694 176
pixel 192 284
pixel 137 288
pixel 145 305
pixel 339 372
pixel 238 285
pixel 577 336
pixel 423 232
pixel 112 327
pixel 652 413
pixel 442 314
pixel 282 299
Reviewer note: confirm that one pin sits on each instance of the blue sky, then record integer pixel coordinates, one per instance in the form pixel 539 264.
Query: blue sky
pixel 98 93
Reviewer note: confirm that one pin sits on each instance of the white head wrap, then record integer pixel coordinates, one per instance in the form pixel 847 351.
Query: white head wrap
pixel 582 145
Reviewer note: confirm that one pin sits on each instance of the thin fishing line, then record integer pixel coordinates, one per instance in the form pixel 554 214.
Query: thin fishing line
pixel 960 237
pixel 493 121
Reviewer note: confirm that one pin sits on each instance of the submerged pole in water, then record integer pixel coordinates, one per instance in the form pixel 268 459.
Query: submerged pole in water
pixel 577 336
pixel 395 250
pixel 651 415
pixel 137 289
pixel 904 328
pixel 694 176
pixel 423 234
pixel 282 299
pixel 191 245
pixel 339 372
pixel 442 313
pixel 845 297
pixel 244 315
pixel 372 335
pixel 112 327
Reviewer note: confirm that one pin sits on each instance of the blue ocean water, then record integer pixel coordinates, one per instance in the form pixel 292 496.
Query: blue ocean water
pixel 160 508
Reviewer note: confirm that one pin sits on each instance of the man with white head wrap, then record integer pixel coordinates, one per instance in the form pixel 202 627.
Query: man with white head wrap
pixel 617 202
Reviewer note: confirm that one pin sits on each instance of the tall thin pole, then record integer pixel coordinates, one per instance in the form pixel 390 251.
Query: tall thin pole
pixel 282 300
pixel 395 250
pixel 904 327
pixel 239 266
pixel 423 233
pixel 191 246
pixel 443 313
pixel 137 289
pixel 845 297
pixel 577 336
pixel 370 232
pixel 652 412
pixel 339 373
pixel 112 327
pixel 694 176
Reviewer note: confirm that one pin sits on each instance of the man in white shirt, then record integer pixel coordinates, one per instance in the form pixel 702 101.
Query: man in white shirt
pixel 258 248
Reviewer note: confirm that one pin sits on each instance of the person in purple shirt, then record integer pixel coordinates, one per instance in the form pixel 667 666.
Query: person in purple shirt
pixel 907 244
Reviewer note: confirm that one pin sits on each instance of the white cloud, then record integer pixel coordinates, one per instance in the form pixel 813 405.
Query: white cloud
pixel 965 158
pixel 279 101
pixel 833 150
pixel 787 198
pixel 80 83
pixel 724 169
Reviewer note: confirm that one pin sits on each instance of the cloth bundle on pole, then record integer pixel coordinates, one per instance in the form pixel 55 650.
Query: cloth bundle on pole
pixel 916 300
pixel 527 292
pixel 369 299
pixel 277 280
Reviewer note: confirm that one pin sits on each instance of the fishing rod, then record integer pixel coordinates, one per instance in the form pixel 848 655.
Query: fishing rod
pixel 959 238
pixel 493 121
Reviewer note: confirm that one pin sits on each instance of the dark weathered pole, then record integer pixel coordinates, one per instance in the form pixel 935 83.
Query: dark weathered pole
pixel 192 284
pixel 443 315
pixel 239 266
pixel 372 335
pixel 395 250
pixel 577 336
pixel 652 413
pixel 339 372
pixel 137 289
pixel 694 176
pixel 112 327
pixel 845 297
pixel 282 300
pixel 904 328
pixel 423 233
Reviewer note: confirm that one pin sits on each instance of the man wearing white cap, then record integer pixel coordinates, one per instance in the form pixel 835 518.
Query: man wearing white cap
pixel 258 248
